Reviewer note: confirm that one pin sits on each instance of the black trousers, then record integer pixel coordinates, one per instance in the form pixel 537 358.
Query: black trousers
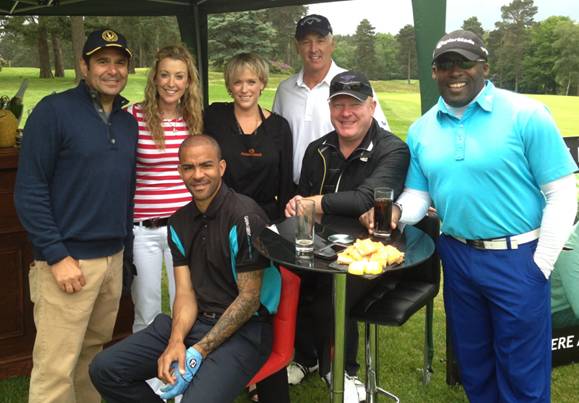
pixel 119 372
pixel 315 325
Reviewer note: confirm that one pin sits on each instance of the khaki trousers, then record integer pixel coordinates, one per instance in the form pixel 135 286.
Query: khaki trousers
pixel 71 329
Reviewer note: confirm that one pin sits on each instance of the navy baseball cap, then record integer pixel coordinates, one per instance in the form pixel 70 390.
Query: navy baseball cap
pixel 313 23
pixel 465 43
pixel 351 83
pixel 103 38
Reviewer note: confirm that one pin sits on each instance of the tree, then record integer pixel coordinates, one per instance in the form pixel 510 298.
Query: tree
pixel 10 41
pixel 539 61
pixel 386 52
pixel 38 36
pixel 472 24
pixel 77 37
pixel 43 52
pixel 567 65
pixel 284 20
pixel 59 32
pixel 406 38
pixel 233 33
pixel 517 18
pixel 19 40
pixel 365 54
pixel 494 43
pixel 57 54
pixel 344 54
pixel 519 13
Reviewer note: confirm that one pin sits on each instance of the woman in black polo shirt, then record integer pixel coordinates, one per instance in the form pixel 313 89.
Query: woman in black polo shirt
pixel 256 143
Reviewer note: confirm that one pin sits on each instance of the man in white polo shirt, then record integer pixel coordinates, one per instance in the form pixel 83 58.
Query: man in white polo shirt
pixel 303 98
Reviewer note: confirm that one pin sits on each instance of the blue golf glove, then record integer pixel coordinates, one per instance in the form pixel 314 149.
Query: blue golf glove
pixel 193 360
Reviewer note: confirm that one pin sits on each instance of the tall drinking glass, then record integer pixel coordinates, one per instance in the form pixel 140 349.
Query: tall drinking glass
pixel 383 199
pixel 305 210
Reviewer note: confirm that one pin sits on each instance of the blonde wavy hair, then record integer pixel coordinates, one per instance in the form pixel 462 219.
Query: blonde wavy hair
pixel 190 104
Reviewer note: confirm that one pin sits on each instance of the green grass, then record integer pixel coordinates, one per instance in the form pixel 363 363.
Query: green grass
pixel 400 361
pixel 400 348
pixel 401 109
pixel 399 100
pixel 565 111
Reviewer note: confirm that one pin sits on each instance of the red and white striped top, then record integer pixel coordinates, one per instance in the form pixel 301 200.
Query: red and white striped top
pixel 160 190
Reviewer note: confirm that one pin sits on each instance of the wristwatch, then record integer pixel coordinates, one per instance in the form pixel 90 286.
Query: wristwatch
pixel 399 207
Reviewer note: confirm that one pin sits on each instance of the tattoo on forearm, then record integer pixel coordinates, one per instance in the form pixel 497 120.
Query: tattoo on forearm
pixel 239 312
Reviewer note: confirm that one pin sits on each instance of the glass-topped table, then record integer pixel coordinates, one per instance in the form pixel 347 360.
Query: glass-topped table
pixel 277 243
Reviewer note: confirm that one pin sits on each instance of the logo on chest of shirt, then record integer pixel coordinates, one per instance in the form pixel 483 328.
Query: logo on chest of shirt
pixel 251 152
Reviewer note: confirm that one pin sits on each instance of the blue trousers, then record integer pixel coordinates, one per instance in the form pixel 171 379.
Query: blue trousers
pixel 119 372
pixel 498 308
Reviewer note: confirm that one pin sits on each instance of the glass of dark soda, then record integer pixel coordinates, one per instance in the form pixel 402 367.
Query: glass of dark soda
pixel 383 199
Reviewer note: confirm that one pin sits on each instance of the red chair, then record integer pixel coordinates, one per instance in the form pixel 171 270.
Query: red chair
pixel 284 327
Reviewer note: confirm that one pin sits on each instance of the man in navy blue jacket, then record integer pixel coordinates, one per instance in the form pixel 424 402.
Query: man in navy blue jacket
pixel 74 191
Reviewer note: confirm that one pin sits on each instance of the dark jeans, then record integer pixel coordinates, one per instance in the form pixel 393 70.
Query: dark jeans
pixel 274 388
pixel 119 372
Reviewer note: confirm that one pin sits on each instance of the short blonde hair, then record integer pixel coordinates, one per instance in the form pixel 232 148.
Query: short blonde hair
pixel 242 61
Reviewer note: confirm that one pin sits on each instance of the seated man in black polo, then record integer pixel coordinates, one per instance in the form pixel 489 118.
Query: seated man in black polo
pixel 220 334
pixel 339 172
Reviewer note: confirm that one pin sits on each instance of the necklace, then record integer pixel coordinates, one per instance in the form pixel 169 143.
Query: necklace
pixel 241 132
pixel 258 122
pixel 170 119
pixel 172 123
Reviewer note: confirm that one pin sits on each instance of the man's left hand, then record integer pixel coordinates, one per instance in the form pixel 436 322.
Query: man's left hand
pixel 183 376
pixel 290 207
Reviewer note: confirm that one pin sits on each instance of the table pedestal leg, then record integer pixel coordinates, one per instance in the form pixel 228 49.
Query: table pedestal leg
pixel 339 332
pixel 371 362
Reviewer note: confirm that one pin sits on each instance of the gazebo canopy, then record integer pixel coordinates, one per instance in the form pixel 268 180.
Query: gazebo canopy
pixel 429 22
pixel 138 7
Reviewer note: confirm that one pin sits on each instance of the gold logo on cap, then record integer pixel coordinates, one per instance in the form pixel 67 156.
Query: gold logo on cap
pixel 110 36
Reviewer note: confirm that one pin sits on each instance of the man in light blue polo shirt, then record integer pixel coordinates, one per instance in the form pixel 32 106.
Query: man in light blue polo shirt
pixel 499 174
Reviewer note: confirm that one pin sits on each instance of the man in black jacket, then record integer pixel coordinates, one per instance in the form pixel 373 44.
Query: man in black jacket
pixel 339 172
pixel 341 169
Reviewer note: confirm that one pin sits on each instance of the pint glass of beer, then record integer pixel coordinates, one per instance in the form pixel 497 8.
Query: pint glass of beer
pixel 383 199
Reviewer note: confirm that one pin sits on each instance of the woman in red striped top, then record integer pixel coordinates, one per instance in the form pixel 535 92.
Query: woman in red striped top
pixel 170 112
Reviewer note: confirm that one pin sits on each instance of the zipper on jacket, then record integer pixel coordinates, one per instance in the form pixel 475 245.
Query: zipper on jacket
pixel 325 170
pixel 363 156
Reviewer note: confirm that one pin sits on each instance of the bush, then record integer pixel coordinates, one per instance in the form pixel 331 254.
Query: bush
pixel 276 66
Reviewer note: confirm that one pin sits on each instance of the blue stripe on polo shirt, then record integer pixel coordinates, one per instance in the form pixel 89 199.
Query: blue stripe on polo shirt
pixel 234 248
pixel 176 240
pixel 270 292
